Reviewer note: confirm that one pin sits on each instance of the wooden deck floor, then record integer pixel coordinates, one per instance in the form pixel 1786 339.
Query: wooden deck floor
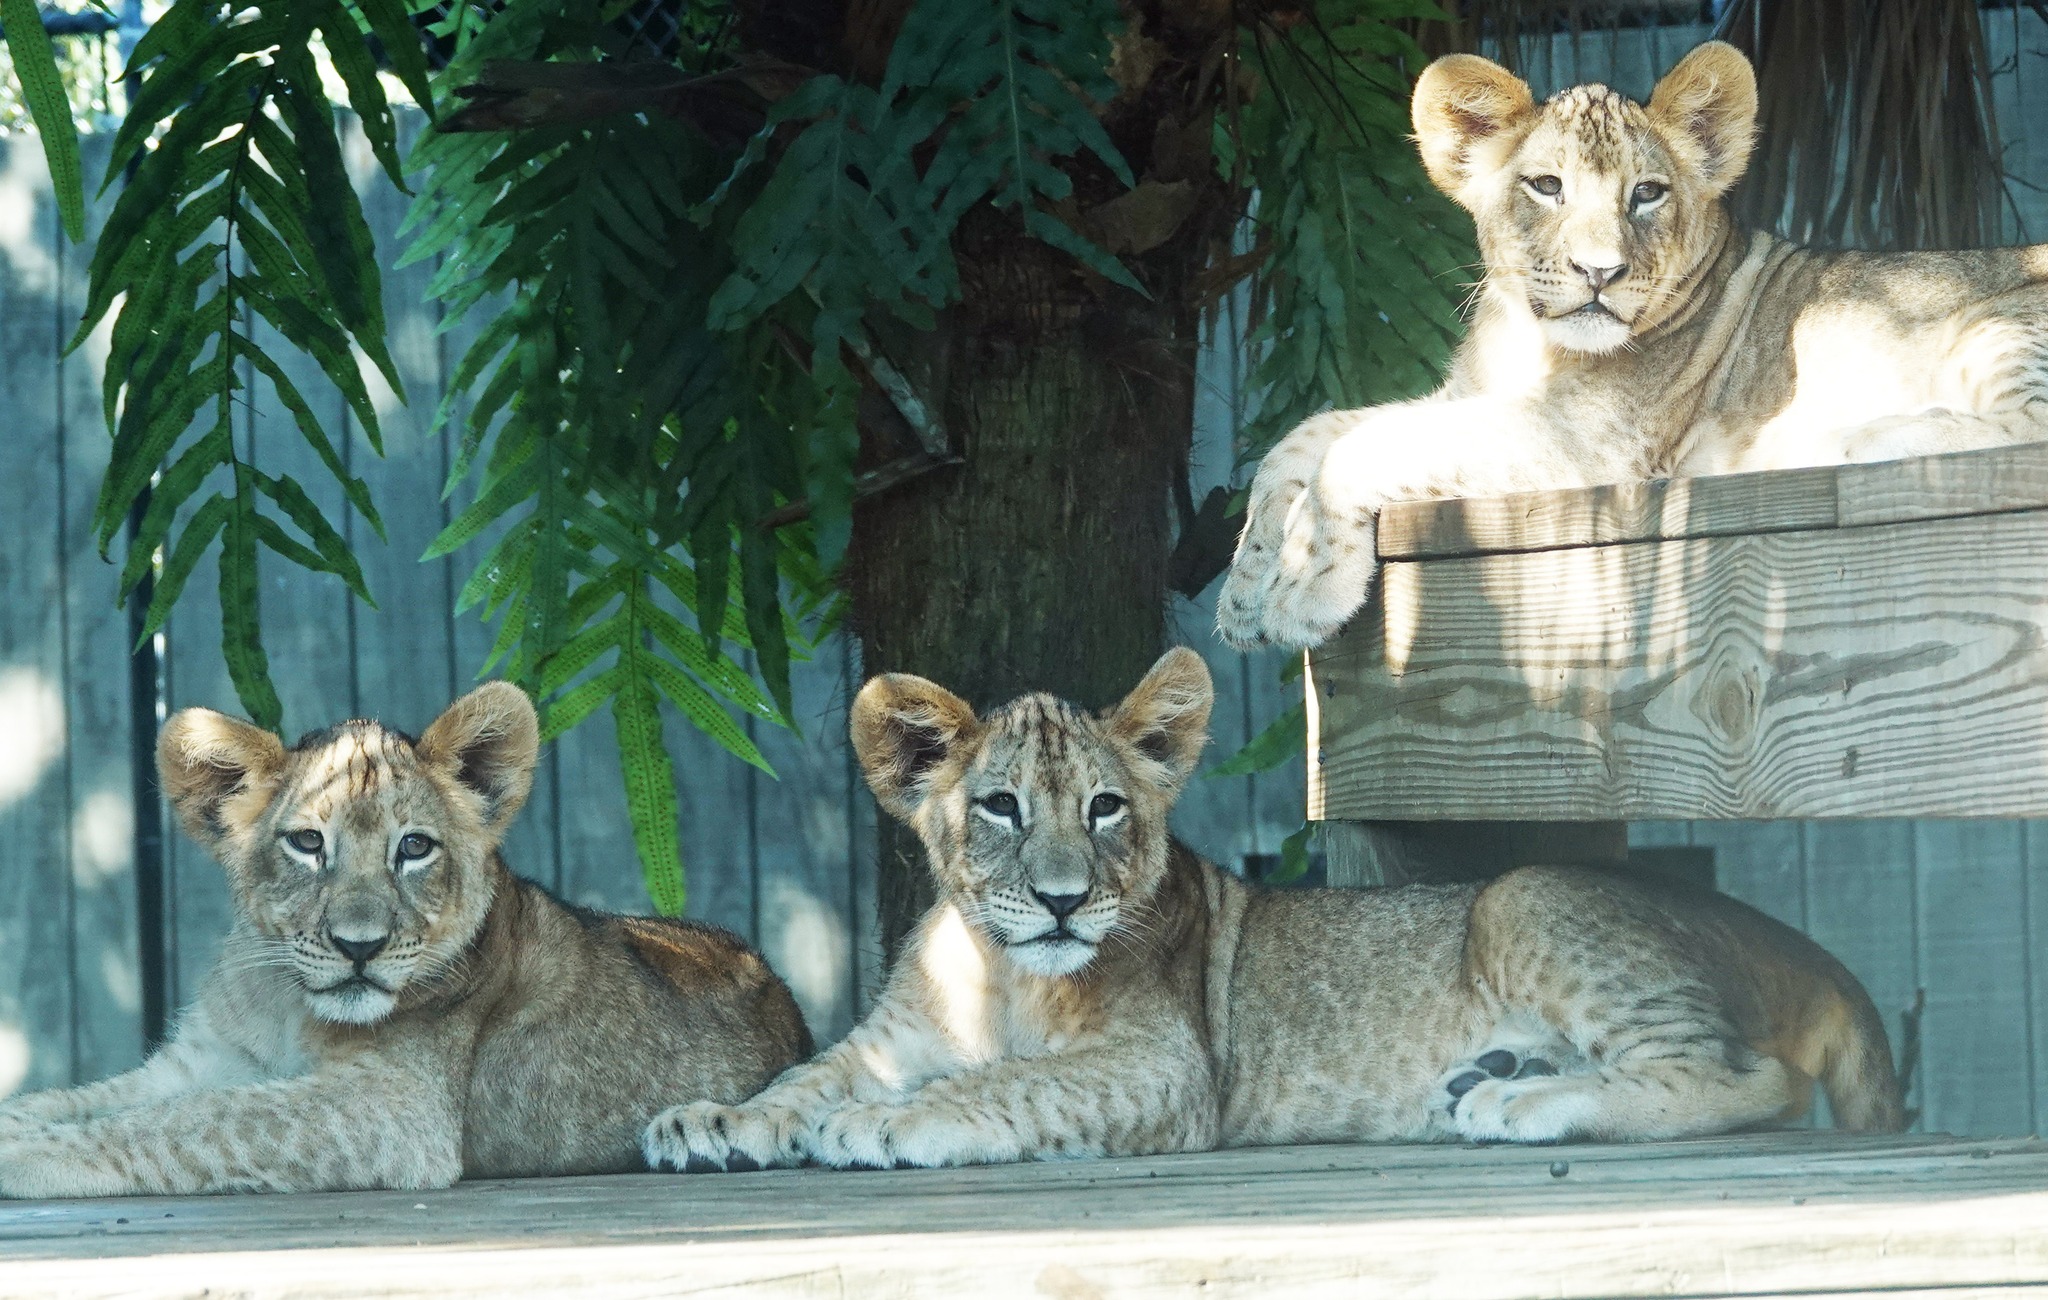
pixel 1767 1215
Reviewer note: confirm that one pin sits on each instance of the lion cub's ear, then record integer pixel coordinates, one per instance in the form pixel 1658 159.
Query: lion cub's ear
pixel 1706 108
pixel 1464 108
pixel 488 741
pixel 1166 716
pixel 903 729
pixel 218 772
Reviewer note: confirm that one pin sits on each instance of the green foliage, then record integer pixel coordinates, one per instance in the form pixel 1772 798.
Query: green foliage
pixel 49 104
pixel 671 311
pixel 238 215
pixel 1358 295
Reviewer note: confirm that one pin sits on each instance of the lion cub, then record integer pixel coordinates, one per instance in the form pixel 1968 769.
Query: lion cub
pixel 393 1008
pixel 1628 329
pixel 1087 987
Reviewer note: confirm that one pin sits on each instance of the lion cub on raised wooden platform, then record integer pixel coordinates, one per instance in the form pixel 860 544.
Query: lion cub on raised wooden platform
pixel 393 1008
pixel 1087 987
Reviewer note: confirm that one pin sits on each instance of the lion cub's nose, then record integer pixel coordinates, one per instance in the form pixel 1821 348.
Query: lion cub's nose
pixel 1599 277
pixel 359 951
pixel 1061 905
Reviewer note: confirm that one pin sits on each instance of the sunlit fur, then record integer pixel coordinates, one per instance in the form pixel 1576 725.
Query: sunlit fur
pixel 1697 348
pixel 392 1007
pixel 1211 1013
pixel 363 789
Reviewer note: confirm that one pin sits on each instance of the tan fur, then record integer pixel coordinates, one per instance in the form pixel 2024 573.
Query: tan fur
pixel 1712 350
pixel 1206 1013
pixel 492 1032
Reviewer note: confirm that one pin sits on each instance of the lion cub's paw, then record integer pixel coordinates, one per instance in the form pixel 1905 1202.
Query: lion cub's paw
pixel 890 1137
pixel 704 1137
pixel 1525 1107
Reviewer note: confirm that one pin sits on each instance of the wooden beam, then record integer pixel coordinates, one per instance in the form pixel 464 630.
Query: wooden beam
pixel 1895 670
pixel 1817 1214
pixel 1931 487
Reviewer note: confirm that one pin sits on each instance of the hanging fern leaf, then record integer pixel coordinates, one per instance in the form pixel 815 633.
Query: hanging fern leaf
pixel 42 91
pixel 242 212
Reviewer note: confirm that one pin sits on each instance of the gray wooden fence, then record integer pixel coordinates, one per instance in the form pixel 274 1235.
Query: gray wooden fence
pixel 1951 908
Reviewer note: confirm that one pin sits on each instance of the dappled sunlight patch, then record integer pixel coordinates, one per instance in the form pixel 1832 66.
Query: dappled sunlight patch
pixel 31 731
pixel 102 834
pixel 811 950
pixel 15 1055
pixel 24 241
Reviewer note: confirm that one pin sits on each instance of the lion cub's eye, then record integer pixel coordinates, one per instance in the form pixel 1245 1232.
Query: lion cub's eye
pixel 1548 186
pixel 413 846
pixel 306 841
pixel 1647 193
pixel 1001 804
pixel 1105 805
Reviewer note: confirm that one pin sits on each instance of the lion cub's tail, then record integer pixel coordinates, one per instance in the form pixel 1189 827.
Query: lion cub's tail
pixel 1855 1061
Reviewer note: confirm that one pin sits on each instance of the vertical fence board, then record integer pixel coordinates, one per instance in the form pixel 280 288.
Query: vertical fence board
pixel 1859 889
pixel 106 960
pixel 404 648
pixel 803 838
pixel 2034 901
pixel 1972 937
pixel 35 957
pixel 533 845
pixel 1761 863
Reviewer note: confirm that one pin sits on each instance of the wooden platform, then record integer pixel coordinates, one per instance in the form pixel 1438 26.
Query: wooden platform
pixel 1806 1213
pixel 1870 640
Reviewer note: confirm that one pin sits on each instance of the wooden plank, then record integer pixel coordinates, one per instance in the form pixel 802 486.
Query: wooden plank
pixel 2033 903
pixel 106 976
pixel 404 649
pixel 1767 1215
pixel 1761 863
pixel 1863 906
pixel 1600 516
pixel 1934 487
pixel 803 844
pixel 1819 674
pixel 1972 936
pixel 1957 485
pixel 35 931
pixel 308 619
pixel 533 845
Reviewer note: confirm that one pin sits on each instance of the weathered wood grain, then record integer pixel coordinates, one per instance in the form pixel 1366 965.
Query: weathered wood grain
pixel 1996 481
pixel 1972 937
pixel 1599 516
pixel 35 922
pixel 1884 671
pixel 802 843
pixel 2033 904
pixel 1794 1213
pixel 403 650
pixel 1862 905
pixel 106 976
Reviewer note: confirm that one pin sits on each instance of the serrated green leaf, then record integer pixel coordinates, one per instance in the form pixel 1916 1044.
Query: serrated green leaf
pixel 42 92
pixel 650 794
pixel 1282 739
pixel 205 524
pixel 241 621
pixel 577 703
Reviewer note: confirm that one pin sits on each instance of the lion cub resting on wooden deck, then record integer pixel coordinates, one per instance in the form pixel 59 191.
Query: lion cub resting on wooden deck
pixel 1087 987
pixel 393 1008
